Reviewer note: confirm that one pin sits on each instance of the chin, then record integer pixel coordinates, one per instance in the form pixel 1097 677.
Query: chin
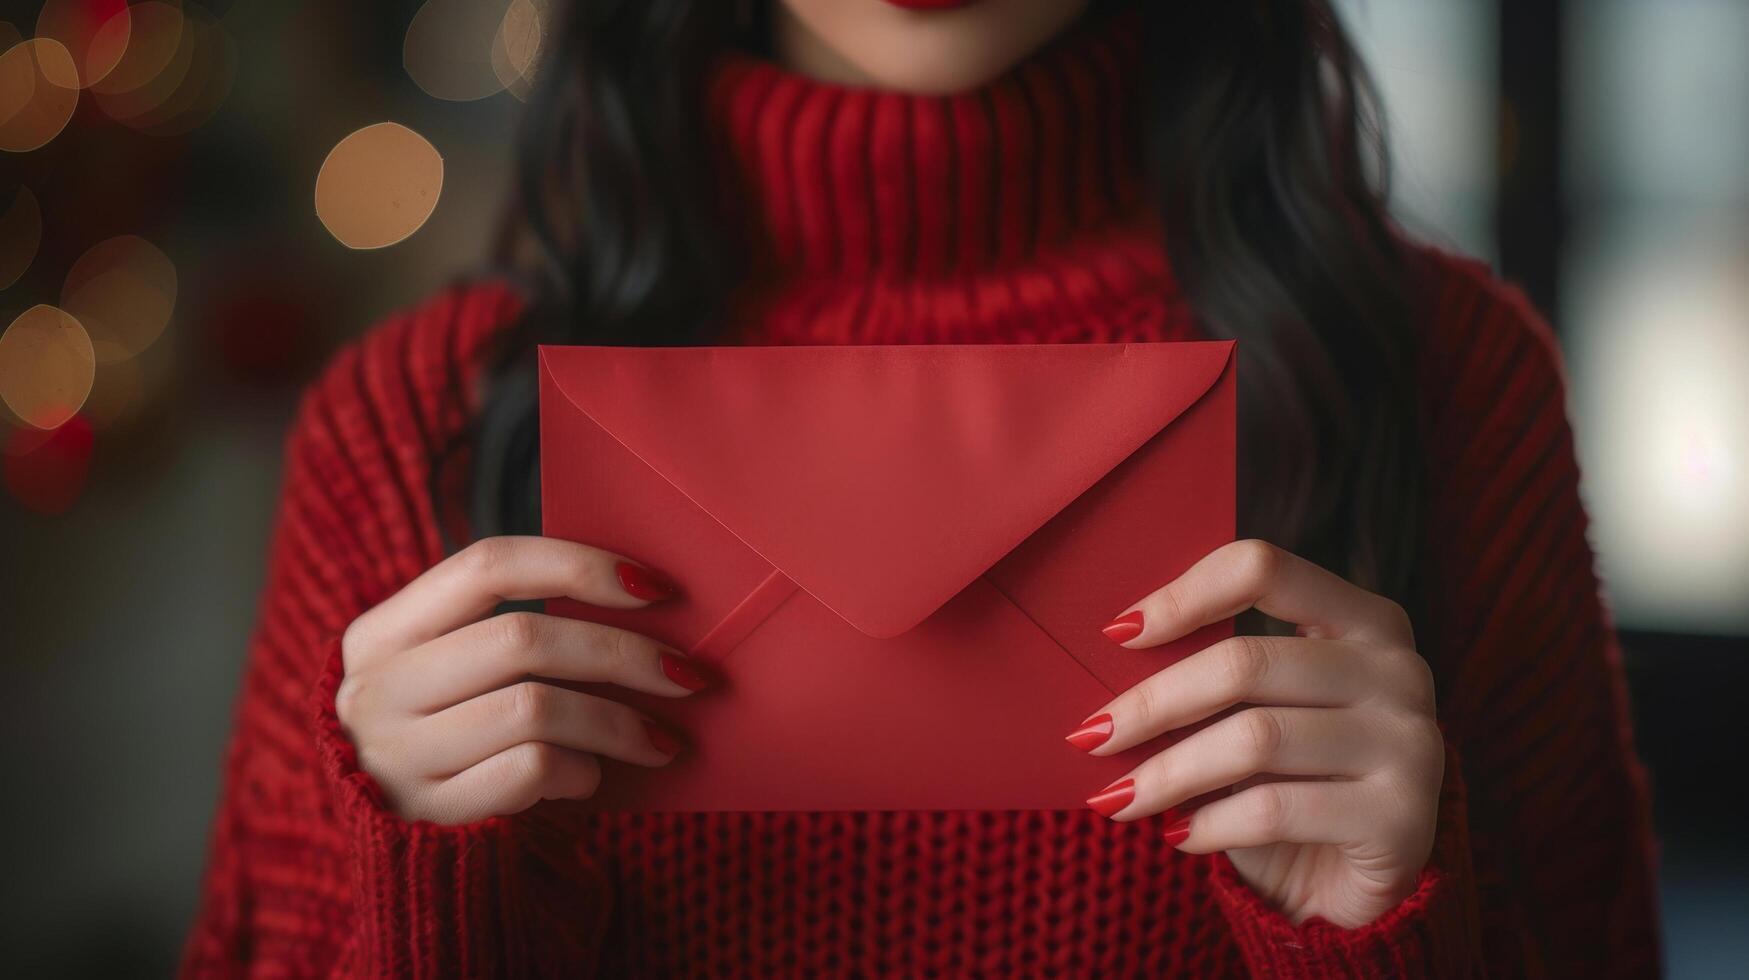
pixel 919 46
pixel 940 63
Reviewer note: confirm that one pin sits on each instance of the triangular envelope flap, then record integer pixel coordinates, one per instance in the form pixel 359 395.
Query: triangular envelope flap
pixel 883 480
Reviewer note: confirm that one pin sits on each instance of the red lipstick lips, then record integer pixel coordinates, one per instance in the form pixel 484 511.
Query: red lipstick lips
pixel 931 4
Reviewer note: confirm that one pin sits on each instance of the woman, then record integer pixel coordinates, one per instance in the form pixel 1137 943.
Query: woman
pixel 1455 798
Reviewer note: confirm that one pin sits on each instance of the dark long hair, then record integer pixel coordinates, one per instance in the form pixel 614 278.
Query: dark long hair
pixel 1264 157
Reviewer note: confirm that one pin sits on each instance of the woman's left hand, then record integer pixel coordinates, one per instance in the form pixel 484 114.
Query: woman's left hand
pixel 1334 763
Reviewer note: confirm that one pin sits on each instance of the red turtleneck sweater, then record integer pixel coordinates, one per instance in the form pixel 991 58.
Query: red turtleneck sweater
pixel 1011 214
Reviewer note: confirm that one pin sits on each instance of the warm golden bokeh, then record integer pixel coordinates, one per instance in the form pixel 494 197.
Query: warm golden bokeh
pixel 516 46
pixel 95 32
pixel 21 231
pixel 46 366
pixel 119 391
pixel 39 88
pixel 463 50
pixel 378 185
pixel 122 290
pixel 201 89
pixel 157 60
pixel 448 48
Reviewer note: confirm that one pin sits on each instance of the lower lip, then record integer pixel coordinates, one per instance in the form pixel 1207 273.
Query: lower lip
pixel 931 4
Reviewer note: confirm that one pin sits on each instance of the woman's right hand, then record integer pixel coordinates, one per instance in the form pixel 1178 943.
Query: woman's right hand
pixel 450 708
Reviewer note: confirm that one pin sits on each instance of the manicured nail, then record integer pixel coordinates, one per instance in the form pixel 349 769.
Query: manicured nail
pixel 681 671
pixel 1113 798
pixel 661 738
pixel 1124 628
pixel 1093 733
pixel 642 583
pixel 1177 831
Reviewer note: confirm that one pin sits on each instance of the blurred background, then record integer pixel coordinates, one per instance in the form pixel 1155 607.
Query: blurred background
pixel 199 199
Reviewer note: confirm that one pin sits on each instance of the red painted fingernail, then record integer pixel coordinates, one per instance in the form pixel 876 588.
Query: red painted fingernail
pixel 681 671
pixel 661 738
pixel 642 583
pixel 1113 798
pixel 1124 628
pixel 1177 832
pixel 1093 733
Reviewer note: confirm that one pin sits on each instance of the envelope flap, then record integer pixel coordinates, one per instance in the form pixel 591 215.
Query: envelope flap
pixel 883 480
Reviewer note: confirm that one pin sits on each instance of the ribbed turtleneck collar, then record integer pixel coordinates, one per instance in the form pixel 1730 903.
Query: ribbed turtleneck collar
pixel 845 180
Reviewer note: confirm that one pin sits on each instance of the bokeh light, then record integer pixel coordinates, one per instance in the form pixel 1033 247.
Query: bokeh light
pixel 378 186
pixel 157 60
pixel 448 48
pixel 155 34
pixel 119 391
pixel 95 32
pixel 46 471
pixel 177 71
pixel 39 88
pixel 463 50
pixel 122 291
pixel 516 47
pixel 202 88
pixel 21 230
pixel 46 366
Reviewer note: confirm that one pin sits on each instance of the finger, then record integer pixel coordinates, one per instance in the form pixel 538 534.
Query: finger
pixel 468 584
pixel 1254 574
pixel 1301 812
pixel 1324 742
pixel 1284 671
pixel 504 649
pixel 456 738
pixel 1288 671
pixel 514 780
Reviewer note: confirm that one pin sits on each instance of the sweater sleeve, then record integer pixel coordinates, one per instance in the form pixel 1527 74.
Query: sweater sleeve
pixel 1543 862
pixel 1432 933
pixel 309 874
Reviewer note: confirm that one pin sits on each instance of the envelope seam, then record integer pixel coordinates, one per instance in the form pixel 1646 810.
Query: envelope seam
pixel 749 614
pixel 1048 634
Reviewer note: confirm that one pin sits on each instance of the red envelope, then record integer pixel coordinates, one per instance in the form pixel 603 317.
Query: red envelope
pixel 897 559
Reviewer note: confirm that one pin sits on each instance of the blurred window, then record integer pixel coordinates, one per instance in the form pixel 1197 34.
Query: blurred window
pixel 1653 307
pixel 1655 302
pixel 1434 64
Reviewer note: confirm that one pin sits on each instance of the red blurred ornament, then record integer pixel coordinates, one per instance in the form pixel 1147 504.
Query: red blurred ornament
pixel 47 474
pixel 260 328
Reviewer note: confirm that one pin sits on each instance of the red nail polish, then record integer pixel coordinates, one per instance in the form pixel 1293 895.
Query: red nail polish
pixel 1124 628
pixel 1113 798
pixel 1177 832
pixel 642 583
pixel 661 738
pixel 681 671
pixel 1093 733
